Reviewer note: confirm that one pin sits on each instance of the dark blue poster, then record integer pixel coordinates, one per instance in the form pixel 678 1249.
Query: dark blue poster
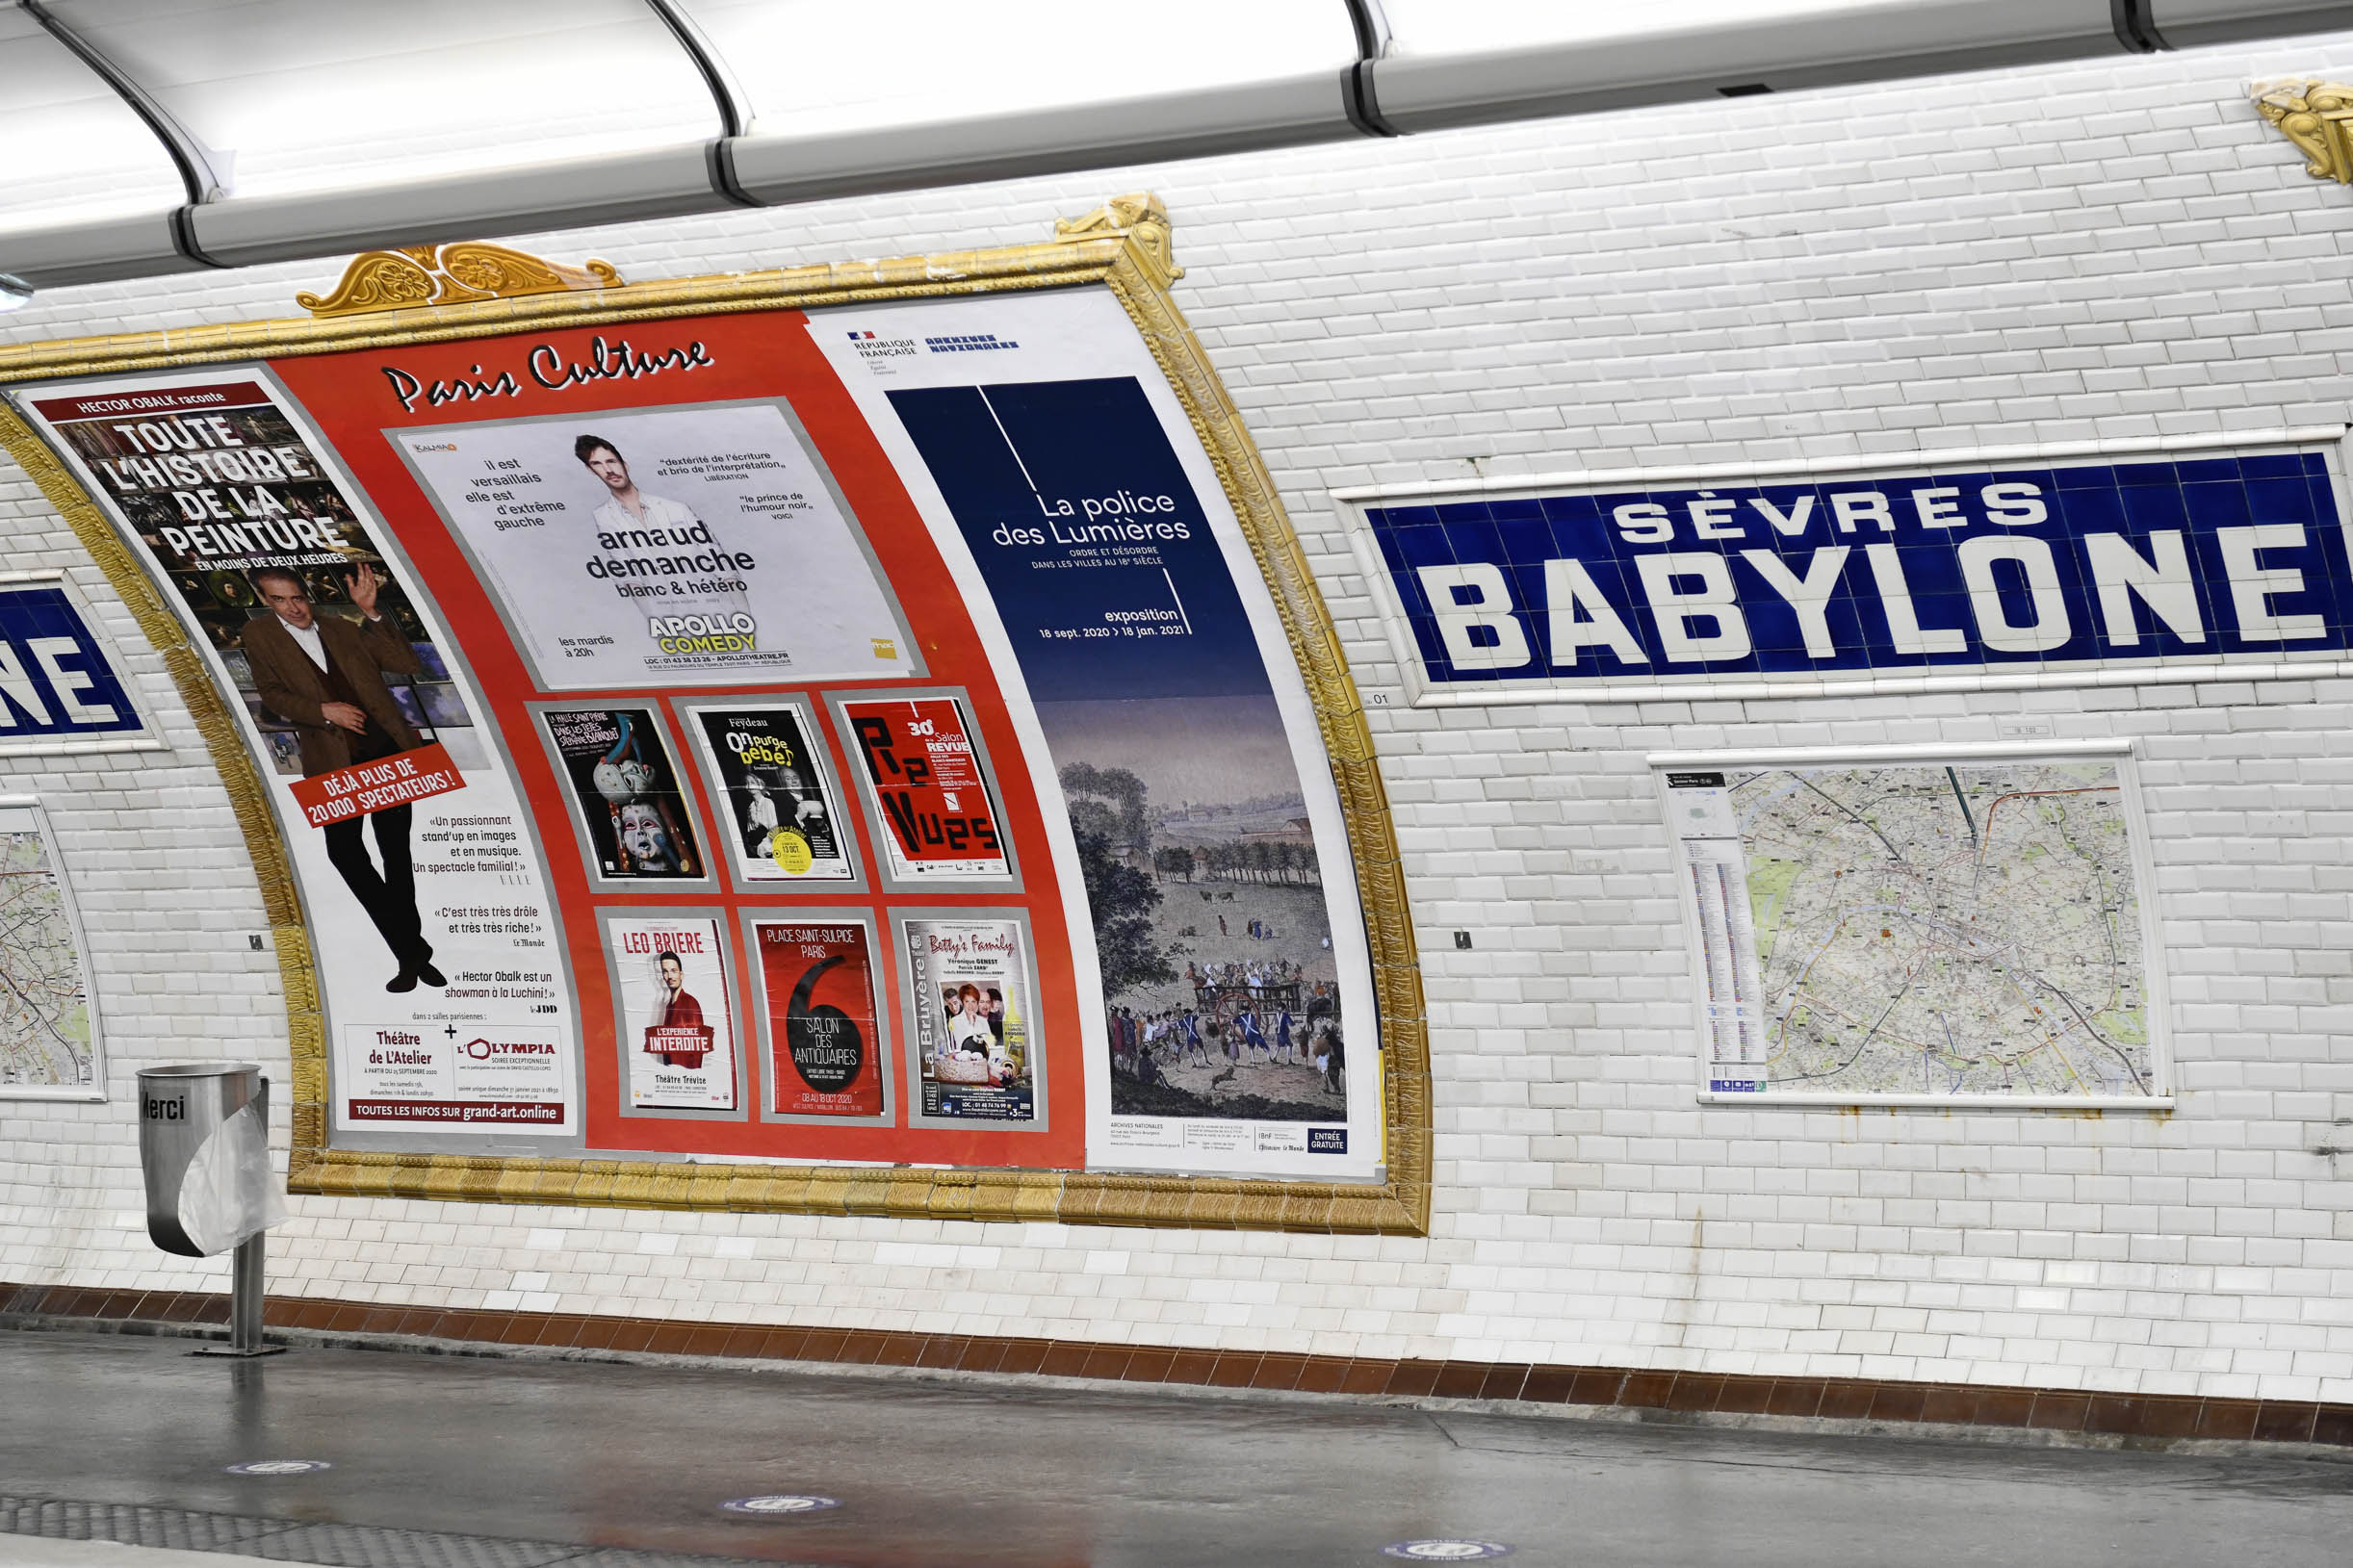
pixel 2098 565
pixel 54 677
pixel 1220 991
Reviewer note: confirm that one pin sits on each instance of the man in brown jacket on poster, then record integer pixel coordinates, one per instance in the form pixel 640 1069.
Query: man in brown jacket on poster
pixel 326 676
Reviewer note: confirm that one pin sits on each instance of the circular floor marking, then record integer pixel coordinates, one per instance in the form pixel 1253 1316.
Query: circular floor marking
pixel 1445 1551
pixel 769 1507
pixel 279 1467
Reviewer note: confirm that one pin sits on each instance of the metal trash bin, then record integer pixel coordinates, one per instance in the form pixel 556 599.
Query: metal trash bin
pixel 204 1147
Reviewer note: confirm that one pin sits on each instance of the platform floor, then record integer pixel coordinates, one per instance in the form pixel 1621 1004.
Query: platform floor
pixel 460 1463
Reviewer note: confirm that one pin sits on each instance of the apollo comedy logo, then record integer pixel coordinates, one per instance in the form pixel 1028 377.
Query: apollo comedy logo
pixel 735 633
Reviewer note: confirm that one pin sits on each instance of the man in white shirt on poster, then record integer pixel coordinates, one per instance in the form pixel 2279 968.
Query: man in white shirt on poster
pixel 630 508
pixel 632 520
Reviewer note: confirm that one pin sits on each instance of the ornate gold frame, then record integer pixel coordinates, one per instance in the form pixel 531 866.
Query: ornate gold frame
pixel 1123 245
pixel 2316 116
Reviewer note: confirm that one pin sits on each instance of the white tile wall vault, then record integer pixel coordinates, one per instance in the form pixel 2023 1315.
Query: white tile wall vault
pixel 2050 255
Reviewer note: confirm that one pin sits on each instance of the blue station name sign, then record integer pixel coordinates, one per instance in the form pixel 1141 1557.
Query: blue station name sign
pixel 55 680
pixel 2085 566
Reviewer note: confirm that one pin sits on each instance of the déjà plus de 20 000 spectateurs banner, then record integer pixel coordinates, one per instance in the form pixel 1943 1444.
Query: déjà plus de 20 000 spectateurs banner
pixel 448 1005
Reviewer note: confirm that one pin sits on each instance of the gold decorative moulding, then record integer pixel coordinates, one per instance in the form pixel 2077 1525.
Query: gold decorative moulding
pixel 1140 218
pixel 2315 116
pixel 447 275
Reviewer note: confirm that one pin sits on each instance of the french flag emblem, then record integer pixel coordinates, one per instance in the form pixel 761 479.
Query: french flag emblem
pixel 859 337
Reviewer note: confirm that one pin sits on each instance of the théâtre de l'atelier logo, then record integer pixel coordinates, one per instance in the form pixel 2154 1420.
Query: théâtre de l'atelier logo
pixel 546 365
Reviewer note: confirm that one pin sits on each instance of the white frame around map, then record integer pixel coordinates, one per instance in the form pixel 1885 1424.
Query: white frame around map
pixel 2118 753
pixel 95 1088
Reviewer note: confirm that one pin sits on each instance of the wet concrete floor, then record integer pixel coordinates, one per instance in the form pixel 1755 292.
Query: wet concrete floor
pixel 949 1475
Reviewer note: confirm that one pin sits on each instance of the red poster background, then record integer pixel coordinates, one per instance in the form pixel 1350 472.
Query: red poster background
pixel 764 355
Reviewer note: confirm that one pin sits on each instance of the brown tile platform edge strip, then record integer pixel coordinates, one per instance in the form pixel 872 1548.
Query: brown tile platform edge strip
pixel 1398 1208
pixel 2161 1417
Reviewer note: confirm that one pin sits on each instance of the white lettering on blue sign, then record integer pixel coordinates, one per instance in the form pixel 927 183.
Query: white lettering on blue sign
pixel 53 677
pixel 2107 564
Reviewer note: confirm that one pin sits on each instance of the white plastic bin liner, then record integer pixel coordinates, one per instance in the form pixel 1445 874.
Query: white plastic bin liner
pixel 230 1193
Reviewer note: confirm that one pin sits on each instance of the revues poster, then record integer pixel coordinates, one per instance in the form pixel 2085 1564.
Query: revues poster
pixel 677 1025
pixel 968 1009
pixel 825 1044
pixel 780 817
pixel 663 548
pixel 435 931
pixel 937 822
pixel 625 797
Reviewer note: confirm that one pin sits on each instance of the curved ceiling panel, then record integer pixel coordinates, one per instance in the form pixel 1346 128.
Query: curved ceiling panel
pixel 813 67
pixel 1431 27
pixel 76 153
pixel 310 127
pixel 293 95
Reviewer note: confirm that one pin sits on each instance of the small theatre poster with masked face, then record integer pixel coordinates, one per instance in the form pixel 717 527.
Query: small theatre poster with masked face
pixel 625 788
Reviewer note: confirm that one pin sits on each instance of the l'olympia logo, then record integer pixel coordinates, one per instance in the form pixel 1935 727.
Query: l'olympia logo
pixel 482 1050
pixel 736 633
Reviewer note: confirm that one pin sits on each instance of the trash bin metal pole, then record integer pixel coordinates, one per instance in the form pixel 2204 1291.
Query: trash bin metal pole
pixel 247 1282
pixel 245 1296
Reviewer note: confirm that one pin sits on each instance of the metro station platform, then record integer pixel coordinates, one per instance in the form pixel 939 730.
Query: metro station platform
pixel 376 1459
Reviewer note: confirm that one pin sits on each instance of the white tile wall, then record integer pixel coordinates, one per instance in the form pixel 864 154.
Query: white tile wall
pixel 2120 250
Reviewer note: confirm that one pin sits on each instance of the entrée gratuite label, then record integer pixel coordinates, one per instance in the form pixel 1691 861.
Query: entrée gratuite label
pixel 2092 565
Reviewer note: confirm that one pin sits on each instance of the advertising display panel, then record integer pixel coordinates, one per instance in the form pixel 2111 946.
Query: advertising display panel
pixel 449 1006
pixel 677 1016
pixel 822 1017
pixel 779 816
pixel 734 565
pixel 625 791
pixel 1217 885
pixel 973 1056
pixel 926 782
pixel 908 660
